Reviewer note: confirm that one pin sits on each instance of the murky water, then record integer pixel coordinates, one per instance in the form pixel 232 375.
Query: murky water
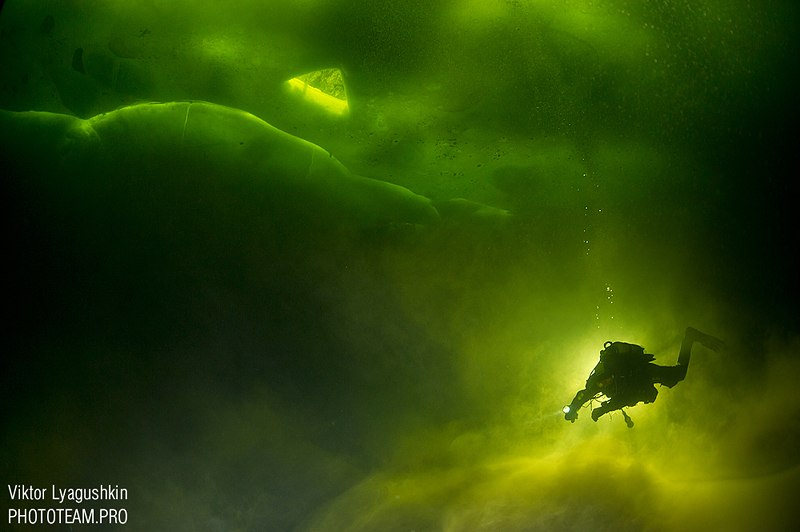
pixel 323 265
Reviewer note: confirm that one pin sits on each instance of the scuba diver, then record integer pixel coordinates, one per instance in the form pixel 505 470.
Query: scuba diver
pixel 626 375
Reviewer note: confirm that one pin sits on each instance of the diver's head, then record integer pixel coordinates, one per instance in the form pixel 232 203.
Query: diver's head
pixel 606 345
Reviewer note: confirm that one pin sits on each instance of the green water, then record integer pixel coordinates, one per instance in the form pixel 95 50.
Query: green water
pixel 338 265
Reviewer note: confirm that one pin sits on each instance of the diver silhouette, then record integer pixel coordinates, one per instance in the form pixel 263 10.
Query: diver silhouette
pixel 626 376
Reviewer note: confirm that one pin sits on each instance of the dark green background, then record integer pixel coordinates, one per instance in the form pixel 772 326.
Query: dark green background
pixel 246 355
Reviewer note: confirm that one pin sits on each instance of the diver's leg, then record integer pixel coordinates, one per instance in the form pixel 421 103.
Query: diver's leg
pixel 672 375
pixel 678 373
pixel 668 376
pixel 711 342
pixel 686 347
pixel 693 335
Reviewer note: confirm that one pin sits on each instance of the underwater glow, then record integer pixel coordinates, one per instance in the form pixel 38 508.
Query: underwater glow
pixel 324 88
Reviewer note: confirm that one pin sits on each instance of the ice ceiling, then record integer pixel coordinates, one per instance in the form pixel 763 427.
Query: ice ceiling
pixel 338 265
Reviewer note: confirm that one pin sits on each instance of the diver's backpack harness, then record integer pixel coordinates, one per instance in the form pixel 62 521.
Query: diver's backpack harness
pixel 616 355
pixel 624 361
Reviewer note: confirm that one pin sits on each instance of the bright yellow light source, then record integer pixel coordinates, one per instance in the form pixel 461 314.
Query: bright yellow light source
pixel 324 88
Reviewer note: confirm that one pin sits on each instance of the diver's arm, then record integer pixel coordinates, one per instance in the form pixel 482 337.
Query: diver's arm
pixel 571 410
pixel 583 396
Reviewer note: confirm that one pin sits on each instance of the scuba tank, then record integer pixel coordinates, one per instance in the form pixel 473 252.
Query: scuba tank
pixel 619 355
pixel 625 363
